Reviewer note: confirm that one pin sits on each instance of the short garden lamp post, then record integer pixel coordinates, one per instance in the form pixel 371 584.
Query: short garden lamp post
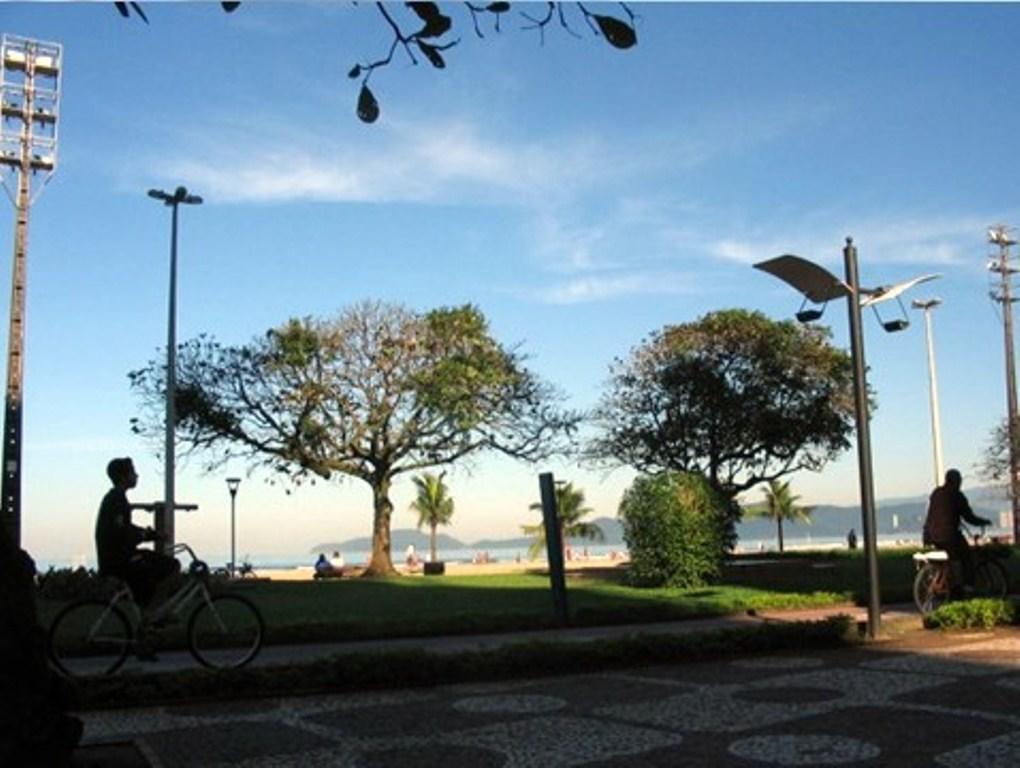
pixel 819 286
pixel 232 484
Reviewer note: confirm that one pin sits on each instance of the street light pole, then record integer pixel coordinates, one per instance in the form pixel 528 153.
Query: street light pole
pixel 820 286
pixel 232 483
pixel 926 305
pixel 867 486
pixel 165 516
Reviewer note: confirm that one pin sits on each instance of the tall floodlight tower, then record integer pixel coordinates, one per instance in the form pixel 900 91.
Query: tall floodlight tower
pixel 1003 294
pixel 29 101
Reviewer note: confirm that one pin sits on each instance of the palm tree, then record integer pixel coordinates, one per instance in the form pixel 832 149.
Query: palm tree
pixel 570 509
pixel 779 505
pixel 433 504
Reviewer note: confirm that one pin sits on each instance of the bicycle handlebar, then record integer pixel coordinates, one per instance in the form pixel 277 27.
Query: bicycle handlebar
pixel 182 547
pixel 156 506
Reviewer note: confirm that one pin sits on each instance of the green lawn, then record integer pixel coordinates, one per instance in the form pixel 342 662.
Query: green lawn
pixel 361 608
pixel 413 606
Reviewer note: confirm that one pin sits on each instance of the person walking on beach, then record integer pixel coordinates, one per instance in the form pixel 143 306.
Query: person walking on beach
pixel 947 507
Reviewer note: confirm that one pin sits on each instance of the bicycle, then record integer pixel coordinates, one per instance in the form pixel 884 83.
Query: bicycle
pixel 95 636
pixel 935 583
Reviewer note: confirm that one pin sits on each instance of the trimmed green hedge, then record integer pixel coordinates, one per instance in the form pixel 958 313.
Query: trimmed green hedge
pixel 981 613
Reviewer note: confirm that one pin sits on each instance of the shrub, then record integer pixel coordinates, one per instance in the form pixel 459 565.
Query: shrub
pixel 674 526
pixel 72 584
pixel 971 614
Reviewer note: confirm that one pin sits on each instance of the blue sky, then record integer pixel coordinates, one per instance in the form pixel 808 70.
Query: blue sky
pixel 580 195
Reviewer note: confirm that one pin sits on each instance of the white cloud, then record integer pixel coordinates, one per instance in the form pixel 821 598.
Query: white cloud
pixel 566 248
pixel 442 164
pixel 935 240
pixel 603 287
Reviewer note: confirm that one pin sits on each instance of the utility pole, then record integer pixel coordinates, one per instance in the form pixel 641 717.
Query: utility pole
pixel 999 236
pixel 29 99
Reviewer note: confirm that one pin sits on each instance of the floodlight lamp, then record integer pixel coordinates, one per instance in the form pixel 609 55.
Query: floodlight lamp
pixel 157 194
pixel 999 237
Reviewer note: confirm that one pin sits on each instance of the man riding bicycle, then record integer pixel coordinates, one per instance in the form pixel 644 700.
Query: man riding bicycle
pixel 117 539
pixel 947 506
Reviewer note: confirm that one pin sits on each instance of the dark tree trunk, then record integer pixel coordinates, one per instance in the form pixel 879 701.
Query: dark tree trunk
pixel 381 564
pixel 779 526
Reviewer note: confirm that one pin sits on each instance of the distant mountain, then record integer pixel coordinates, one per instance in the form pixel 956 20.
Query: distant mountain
pixel 402 537
pixel 399 539
pixel 892 517
pixel 898 516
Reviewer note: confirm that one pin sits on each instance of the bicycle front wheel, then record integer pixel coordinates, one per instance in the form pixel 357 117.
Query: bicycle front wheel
pixel 931 588
pixel 990 579
pixel 225 632
pixel 90 637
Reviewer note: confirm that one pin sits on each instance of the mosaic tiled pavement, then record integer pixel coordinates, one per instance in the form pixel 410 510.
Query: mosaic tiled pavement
pixel 954 704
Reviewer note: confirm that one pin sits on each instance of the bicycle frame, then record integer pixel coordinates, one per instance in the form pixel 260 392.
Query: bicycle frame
pixel 222 630
pixel 174 604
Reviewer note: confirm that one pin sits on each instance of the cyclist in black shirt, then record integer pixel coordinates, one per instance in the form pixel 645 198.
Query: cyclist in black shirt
pixel 947 507
pixel 117 538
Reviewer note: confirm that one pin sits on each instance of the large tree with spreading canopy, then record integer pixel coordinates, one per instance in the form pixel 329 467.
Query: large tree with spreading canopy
pixel 734 396
pixel 373 393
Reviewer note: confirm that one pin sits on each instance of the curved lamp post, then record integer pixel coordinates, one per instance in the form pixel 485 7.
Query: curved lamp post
pixel 820 286
pixel 165 517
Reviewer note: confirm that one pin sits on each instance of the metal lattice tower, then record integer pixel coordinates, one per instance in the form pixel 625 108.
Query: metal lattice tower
pixel 29 101
pixel 1003 294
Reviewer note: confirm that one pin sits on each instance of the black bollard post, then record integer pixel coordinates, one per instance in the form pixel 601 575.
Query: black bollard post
pixel 554 547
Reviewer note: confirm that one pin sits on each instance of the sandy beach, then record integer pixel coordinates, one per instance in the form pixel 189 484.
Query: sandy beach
pixel 307 573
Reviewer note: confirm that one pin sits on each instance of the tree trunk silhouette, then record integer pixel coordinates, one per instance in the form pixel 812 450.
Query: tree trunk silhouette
pixel 779 526
pixel 381 563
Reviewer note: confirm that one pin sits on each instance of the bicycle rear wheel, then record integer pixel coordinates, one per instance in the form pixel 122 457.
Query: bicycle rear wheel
pixel 225 632
pixel 990 579
pixel 90 637
pixel 931 588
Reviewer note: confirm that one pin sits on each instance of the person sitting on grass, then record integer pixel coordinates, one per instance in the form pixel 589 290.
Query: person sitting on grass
pixel 322 566
pixel 118 539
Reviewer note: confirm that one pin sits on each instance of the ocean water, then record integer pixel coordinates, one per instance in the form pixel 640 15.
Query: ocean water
pixel 512 554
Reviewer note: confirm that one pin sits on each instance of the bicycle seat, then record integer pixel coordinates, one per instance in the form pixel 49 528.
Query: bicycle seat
pixel 932 556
